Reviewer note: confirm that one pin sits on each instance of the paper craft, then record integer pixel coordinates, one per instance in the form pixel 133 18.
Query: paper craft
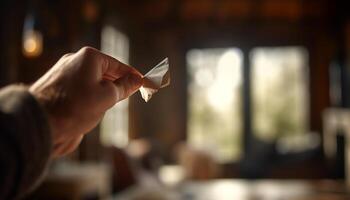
pixel 156 78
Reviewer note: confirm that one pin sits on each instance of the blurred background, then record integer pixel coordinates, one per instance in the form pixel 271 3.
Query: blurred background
pixel 257 107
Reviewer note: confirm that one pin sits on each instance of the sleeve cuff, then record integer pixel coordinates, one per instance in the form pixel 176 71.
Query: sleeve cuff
pixel 31 133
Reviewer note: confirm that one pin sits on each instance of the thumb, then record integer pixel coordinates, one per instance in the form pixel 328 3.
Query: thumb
pixel 127 85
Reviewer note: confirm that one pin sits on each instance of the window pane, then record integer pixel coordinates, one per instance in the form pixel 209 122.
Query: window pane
pixel 115 124
pixel 279 92
pixel 215 82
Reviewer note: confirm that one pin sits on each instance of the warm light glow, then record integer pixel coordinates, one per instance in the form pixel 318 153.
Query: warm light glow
pixel 32 43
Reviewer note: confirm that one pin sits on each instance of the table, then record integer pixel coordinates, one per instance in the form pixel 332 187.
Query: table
pixel 239 189
pixel 75 181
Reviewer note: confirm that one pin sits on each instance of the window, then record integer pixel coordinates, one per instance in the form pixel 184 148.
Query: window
pixel 115 124
pixel 279 92
pixel 214 118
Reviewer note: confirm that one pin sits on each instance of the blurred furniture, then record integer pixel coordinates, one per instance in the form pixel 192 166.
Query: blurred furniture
pixel 337 121
pixel 225 189
pixel 197 164
pixel 74 181
pixel 241 189
pixel 123 173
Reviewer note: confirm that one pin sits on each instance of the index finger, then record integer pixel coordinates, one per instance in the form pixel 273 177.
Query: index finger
pixel 115 69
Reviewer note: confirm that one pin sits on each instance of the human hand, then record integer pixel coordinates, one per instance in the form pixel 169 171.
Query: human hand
pixel 78 90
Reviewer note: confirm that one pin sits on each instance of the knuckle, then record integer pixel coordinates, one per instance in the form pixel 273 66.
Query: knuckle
pixel 88 51
pixel 88 55
pixel 66 55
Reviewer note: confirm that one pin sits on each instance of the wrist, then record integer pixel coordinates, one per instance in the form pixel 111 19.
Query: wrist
pixel 44 102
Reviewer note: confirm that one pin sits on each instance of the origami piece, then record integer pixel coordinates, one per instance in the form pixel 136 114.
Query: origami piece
pixel 156 78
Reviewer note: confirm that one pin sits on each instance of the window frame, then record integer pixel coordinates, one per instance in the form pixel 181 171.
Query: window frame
pixel 279 36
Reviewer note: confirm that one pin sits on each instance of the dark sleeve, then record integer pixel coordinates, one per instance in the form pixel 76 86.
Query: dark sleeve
pixel 25 142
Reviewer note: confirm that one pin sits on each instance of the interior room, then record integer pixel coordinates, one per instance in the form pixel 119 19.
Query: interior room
pixel 257 106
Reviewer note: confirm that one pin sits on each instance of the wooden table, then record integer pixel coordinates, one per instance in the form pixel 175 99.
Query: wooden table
pixel 75 181
pixel 263 190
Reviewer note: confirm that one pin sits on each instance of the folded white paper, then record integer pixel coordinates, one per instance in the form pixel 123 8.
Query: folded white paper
pixel 156 78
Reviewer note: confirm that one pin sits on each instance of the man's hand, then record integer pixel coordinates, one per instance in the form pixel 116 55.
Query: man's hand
pixel 78 90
